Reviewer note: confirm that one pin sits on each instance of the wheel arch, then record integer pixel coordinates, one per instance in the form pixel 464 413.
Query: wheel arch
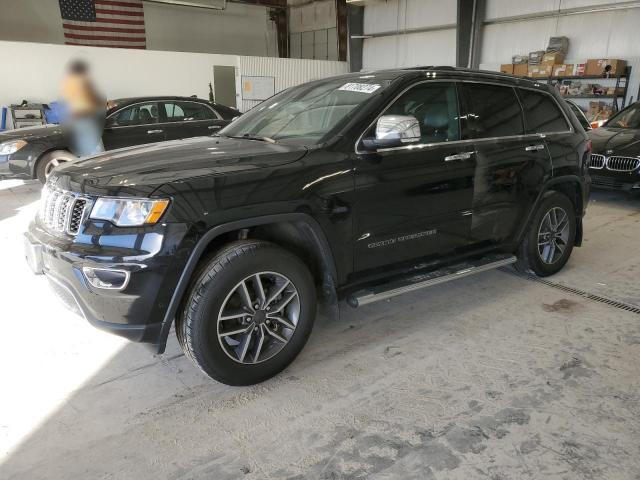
pixel 570 185
pixel 297 232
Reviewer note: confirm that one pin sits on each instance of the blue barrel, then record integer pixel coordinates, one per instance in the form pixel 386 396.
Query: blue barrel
pixel 3 120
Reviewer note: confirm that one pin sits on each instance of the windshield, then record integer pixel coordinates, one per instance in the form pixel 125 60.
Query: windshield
pixel 307 113
pixel 629 118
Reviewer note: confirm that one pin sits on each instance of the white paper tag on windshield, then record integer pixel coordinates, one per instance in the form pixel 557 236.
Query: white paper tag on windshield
pixel 360 87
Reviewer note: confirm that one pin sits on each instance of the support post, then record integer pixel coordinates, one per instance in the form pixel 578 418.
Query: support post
pixel 356 29
pixel 470 21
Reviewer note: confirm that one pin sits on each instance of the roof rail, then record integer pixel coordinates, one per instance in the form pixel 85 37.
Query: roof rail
pixel 469 71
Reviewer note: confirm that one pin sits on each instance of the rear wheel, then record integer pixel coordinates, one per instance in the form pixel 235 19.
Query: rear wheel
pixel 51 160
pixel 248 314
pixel 548 243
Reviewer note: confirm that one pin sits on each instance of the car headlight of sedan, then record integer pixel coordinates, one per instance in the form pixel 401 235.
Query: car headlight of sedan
pixel 7 148
pixel 129 212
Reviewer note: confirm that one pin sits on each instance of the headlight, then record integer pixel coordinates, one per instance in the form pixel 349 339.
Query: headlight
pixel 7 148
pixel 129 212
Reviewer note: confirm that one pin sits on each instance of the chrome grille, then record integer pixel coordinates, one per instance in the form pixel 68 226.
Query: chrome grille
pixel 596 161
pixel 76 215
pixel 62 211
pixel 622 164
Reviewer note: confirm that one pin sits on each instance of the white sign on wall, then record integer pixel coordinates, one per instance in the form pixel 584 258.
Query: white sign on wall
pixel 258 88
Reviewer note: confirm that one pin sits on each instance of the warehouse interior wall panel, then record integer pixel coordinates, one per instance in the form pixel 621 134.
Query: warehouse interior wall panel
pixel 408 50
pixel 397 15
pixel 287 72
pixel 511 8
pixel 399 48
pixel 239 29
pixel 312 29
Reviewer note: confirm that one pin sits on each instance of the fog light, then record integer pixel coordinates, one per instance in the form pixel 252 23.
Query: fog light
pixel 106 278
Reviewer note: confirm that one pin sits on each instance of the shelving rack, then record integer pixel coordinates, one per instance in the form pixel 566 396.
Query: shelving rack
pixel 622 78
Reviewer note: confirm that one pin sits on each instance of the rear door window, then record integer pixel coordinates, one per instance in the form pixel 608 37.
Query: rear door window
pixel 542 114
pixel 494 111
pixel 188 112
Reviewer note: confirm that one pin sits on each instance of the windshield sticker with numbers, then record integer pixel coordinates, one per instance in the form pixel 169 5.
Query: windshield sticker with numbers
pixel 360 87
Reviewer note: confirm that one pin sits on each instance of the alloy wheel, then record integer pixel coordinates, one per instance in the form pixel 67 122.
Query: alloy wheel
pixel 258 317
pixel 553 235
pixel 51 165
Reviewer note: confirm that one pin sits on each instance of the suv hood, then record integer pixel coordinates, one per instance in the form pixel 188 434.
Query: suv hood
pixel 132 169
pixel 615 141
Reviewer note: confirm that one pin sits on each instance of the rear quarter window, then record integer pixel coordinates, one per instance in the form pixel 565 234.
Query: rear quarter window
pixel 542 113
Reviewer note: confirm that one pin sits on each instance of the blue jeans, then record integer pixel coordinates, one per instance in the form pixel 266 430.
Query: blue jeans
pixel 87 135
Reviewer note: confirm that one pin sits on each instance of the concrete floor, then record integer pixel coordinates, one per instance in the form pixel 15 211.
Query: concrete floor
pixel 493 377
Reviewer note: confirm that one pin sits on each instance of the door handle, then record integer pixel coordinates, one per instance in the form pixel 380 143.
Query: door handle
pixel 533 148
pixel 459 156
pixel 214 127
pixel 154 131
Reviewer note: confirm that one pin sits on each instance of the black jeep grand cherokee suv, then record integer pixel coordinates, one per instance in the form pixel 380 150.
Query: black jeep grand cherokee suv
pixel 361 187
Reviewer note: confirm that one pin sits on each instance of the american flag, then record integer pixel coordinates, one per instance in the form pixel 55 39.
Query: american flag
pixel 103 23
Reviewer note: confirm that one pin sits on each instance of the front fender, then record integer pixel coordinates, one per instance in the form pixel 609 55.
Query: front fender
pixel 205 240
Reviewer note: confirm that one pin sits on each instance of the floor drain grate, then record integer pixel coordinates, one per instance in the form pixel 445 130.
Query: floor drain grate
pixel 576 291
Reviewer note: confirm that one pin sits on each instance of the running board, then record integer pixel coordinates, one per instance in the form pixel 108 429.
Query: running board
pixel 416 282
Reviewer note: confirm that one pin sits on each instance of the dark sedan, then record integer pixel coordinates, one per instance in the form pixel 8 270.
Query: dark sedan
pixel 615 158
pixel 34 152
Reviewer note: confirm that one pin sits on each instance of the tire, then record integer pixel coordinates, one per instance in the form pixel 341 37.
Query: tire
pixel 216 307
pixel 51 160
pixel 545 260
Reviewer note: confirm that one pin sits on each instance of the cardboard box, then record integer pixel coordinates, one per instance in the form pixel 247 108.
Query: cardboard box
pixel 579 69
pixel 563 70
pixel 541 71
pixel 596 67
pixel 521 70
pixel 554 58
pixel 615 91
pixel 558 44
pixel 536 57
pixel 520 59
pixel 506 68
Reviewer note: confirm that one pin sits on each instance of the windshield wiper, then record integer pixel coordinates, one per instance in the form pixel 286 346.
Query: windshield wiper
pixel 250 136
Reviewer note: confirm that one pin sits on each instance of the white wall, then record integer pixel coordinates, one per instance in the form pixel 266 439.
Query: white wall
pixel 37 70
pixel 240 29
pixel 409 49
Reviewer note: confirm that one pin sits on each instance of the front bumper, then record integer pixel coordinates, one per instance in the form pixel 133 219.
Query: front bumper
pixel 137 312
pixel 17 165
pixel 622 181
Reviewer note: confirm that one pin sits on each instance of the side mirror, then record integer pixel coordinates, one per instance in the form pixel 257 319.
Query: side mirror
pixel 394 131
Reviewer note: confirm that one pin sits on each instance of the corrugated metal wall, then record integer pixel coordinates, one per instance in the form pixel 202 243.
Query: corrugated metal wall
pixel 403 48
pixel 287 72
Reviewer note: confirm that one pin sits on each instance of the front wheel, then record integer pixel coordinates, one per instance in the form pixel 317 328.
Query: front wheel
pixel 549 241
pixel 248 314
